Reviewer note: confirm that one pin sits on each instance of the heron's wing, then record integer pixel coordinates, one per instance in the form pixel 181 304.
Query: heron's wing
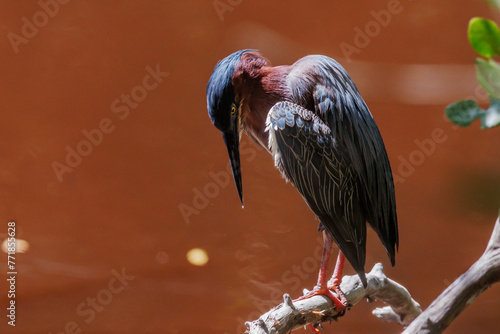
pixel 338 103
pixel 320 168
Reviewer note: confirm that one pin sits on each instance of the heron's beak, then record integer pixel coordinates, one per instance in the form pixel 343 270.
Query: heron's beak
pixel 232 140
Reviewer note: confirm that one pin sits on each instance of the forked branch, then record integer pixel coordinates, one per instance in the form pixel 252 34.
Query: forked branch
pixel 292 315
pixel 401 307
pixel 480 276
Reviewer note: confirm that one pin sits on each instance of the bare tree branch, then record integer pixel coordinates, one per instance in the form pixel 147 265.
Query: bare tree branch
pixel 402 308
pixel 292 315
pixel 481 275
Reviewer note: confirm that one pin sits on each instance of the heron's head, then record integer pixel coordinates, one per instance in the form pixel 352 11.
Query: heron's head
pixel 224 110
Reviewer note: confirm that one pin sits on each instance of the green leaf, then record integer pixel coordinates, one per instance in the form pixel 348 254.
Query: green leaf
pixel 484 36
pixel 488 76
pixel 464 112
pixel 494 3
pixel 491 118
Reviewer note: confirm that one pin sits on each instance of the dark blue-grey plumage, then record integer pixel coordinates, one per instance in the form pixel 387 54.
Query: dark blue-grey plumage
pixel 220 90
pixel 329 147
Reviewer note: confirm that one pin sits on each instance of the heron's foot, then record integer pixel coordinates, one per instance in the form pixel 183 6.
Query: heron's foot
pixel 340 304
pixel 334 285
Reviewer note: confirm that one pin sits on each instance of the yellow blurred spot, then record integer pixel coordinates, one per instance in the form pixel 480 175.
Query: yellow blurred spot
pixel 21 246
pixel 197 257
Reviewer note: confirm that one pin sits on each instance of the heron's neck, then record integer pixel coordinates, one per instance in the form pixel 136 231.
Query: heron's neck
pixel 258 94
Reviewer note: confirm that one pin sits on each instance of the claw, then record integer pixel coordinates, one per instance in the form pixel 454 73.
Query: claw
pixel 334 285
pixel 340 304
pixel 313 328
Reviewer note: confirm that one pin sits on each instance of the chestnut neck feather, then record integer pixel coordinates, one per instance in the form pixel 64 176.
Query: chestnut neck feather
pixel 258 86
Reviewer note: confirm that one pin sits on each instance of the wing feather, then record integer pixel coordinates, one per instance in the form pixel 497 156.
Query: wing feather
pixel 320 168
pixel 335 99
pixel 325 141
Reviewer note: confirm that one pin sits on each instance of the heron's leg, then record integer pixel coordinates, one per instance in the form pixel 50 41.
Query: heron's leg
pixel 325 259
pixel 321 287
pixel 334 282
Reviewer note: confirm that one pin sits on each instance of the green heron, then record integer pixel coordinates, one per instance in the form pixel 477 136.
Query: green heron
pixel 311 118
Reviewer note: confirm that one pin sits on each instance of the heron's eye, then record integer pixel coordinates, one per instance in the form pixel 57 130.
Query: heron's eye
pixel 233 109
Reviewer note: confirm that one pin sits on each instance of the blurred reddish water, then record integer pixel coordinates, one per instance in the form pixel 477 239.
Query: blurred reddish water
pixel 118 212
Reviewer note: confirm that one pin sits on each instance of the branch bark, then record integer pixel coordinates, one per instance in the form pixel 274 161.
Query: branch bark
pixel 401 307
pixel 481 275
pixel 292 315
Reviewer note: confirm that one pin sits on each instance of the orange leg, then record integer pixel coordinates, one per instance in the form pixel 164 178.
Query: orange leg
pixel 322 288
pixel 334 282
